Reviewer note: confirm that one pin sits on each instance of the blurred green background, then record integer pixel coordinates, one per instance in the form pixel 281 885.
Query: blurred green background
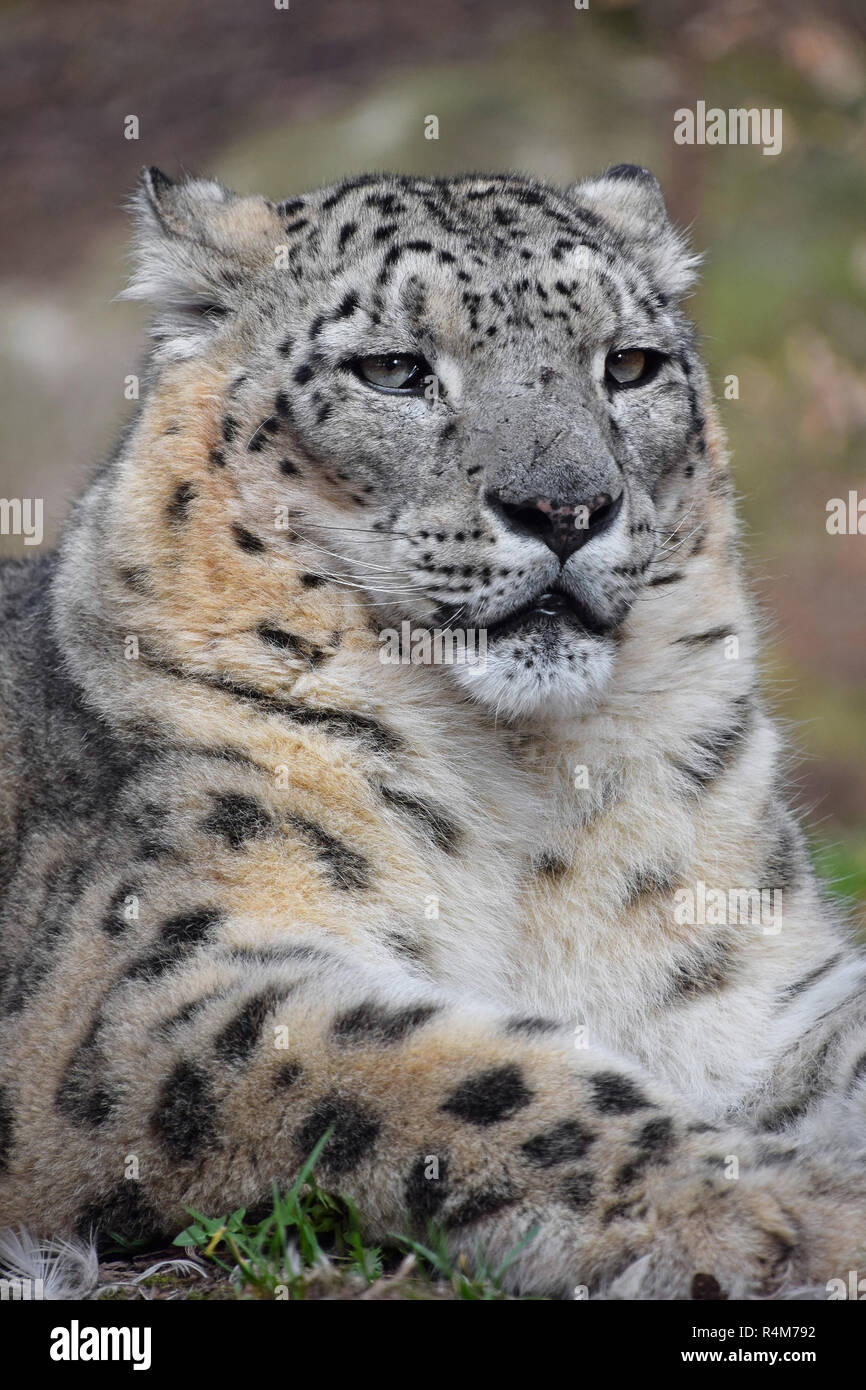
pixel 274 100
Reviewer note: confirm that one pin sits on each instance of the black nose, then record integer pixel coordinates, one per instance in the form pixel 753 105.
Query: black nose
pixel 563 526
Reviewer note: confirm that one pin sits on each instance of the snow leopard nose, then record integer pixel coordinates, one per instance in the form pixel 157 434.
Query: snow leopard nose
pixel 563 526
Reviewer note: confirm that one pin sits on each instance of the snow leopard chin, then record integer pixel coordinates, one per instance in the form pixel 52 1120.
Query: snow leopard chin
pixel 521 679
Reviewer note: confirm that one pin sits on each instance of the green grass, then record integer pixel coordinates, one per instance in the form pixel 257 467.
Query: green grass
pixel 310 1244
pixel 483 1283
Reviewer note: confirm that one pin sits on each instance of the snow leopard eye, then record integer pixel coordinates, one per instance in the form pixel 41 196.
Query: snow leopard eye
pixel 632 366
pixel 393 371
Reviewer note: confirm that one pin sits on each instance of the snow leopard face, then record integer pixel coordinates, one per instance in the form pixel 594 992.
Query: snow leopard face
pixel 476 397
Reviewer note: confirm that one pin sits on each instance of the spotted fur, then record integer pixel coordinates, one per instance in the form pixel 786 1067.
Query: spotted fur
pixel 259 884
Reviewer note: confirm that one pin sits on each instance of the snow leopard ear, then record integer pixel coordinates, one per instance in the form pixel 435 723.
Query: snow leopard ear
pixel 196 246
pixel 631 200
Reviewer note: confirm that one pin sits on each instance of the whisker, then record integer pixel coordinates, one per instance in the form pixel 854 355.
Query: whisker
pixel 682 521
pixel 682 540
pixel 458 613
pixel 335 554
pixel 366 588
pixel 360 530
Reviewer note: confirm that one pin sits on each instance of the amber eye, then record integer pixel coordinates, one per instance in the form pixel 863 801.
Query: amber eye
pixel 631 365
pixel 392 371
pixel 626 366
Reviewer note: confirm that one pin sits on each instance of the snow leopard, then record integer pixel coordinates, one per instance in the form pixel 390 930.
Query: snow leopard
pixel 531 935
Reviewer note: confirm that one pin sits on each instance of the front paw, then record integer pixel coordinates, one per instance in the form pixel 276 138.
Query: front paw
pixel 712 1241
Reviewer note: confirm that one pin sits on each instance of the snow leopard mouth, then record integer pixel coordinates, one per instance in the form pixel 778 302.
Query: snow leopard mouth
pixel 553 608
